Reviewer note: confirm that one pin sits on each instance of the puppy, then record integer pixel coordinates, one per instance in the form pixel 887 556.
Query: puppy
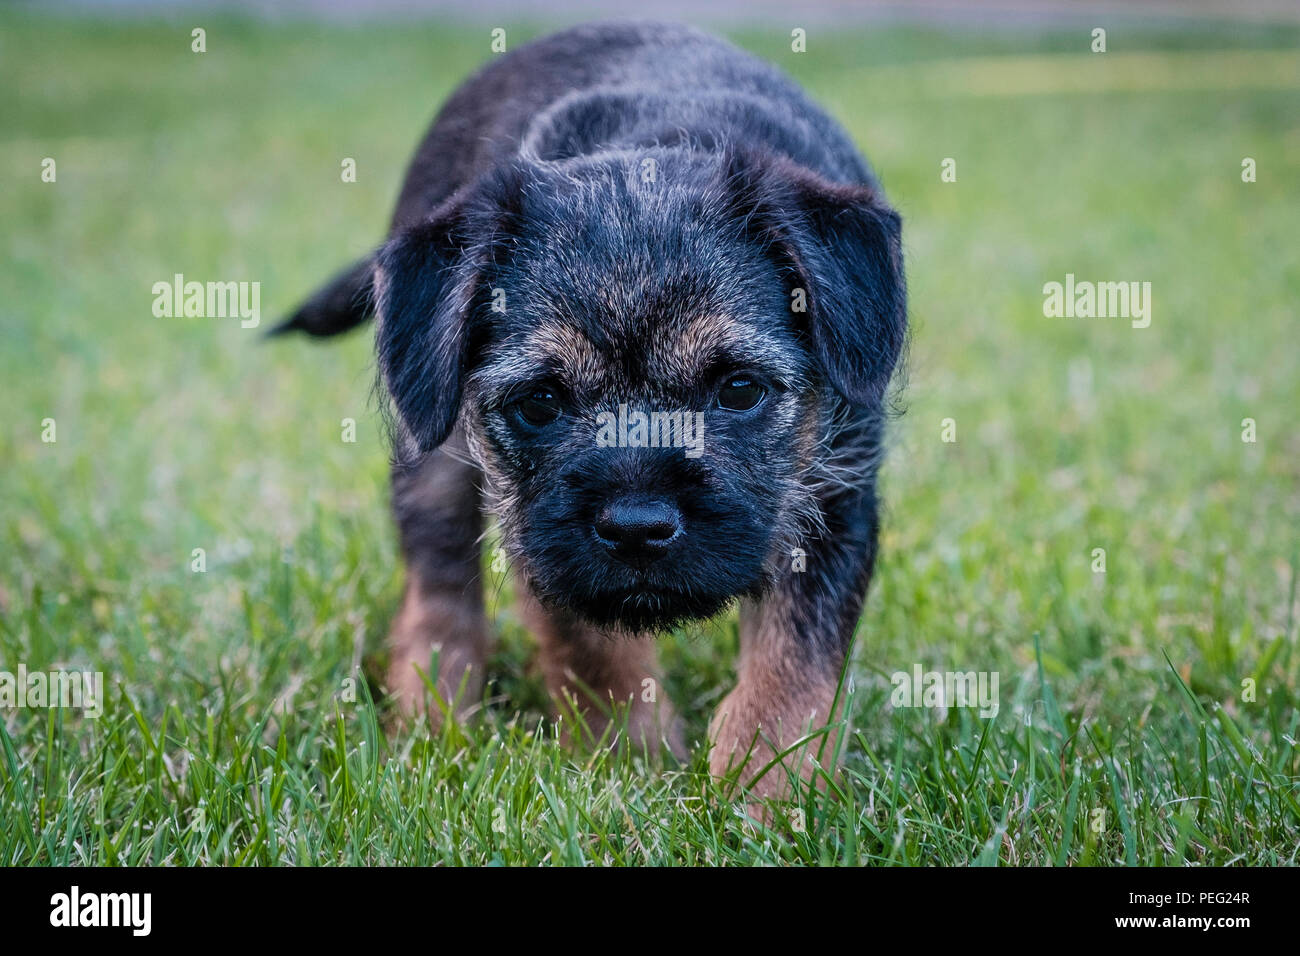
pixel 640 303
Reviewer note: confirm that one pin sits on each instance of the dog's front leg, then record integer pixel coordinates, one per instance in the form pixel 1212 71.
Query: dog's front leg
pixel 437 507
pixel 783 695
pixel 589 673
pixel 777 724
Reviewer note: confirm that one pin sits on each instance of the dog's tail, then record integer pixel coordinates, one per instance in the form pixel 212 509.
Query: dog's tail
pixel 343 303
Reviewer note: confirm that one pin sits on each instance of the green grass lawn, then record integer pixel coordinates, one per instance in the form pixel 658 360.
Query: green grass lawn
pixel 1127 731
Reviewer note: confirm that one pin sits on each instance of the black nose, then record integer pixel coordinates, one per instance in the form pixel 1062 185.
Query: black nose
pixel 638 531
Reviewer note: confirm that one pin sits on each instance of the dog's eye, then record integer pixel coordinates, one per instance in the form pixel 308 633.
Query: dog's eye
pixel 537 408
pixel 740 394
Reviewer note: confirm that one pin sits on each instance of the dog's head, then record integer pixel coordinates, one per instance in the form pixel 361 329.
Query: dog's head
pixel 647 354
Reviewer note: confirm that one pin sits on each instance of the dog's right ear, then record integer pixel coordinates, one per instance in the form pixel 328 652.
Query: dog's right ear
pixel 428 281
pixel 423 298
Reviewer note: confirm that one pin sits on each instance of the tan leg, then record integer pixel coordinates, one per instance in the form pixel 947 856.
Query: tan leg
pixel 783 693
pixel 437 622
pixel 595 672
pixel 436 505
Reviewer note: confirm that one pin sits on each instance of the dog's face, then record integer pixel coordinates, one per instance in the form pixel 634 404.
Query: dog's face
pixel 648 360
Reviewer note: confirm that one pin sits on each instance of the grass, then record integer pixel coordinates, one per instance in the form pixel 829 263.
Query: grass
pixel 239 726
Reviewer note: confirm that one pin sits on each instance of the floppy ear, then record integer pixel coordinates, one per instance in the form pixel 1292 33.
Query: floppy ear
pixel 842 245
pixel 423 298
pixel 427 282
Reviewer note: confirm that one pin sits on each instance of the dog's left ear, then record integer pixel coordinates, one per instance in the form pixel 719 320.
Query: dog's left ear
pixel 842 245
pixel 428 283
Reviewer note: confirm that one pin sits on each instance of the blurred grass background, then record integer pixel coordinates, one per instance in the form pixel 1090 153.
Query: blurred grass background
pixel 225 739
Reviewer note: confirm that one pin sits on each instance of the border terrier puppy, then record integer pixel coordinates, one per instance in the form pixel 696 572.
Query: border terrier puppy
pixel 640 303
